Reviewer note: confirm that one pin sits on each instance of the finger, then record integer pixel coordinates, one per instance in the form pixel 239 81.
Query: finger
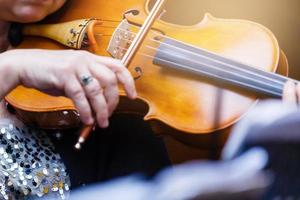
pixel 109 83
pixel 127 81
pixel 123 75
pixel 94 93
pixel 289 92
pixel 298 92
pixel 74 91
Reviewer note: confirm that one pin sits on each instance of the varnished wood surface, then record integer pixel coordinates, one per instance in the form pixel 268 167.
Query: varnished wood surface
pixel 183 102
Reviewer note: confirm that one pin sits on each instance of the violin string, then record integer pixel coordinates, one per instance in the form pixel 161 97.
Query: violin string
pixel 207 73
pixel 109 20
pixel 103 35
pixel 224 63
pixel 188 51
pixel 220 62
pixel 102 26
pixel 217 68
pixel 210 66
pixel 216 76
pixel 230 66
pixel 214 60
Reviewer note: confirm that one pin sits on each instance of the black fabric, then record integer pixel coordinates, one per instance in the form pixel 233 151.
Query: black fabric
pixel 15 36
pixel 127 147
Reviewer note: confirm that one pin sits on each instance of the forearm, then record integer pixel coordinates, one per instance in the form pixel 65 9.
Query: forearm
pixel 9 76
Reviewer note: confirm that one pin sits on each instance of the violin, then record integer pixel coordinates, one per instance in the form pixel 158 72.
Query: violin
pixel 195 80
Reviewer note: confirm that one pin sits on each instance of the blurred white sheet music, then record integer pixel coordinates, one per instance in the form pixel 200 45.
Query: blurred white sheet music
pixel 263 114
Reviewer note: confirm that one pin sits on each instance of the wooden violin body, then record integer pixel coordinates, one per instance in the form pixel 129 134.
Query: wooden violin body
pixel 184 101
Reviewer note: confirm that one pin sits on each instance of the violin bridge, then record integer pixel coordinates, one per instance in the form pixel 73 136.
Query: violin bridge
pixel 120 40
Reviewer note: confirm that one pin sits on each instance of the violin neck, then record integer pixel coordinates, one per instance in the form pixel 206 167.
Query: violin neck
pixel 181 56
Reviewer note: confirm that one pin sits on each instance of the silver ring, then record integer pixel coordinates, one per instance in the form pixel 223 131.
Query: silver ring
pixel 85 80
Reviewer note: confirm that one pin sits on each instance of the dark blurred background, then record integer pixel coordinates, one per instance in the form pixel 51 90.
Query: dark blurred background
pixel 282 17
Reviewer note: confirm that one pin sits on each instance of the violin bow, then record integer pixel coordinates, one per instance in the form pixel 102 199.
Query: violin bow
pixel 134 47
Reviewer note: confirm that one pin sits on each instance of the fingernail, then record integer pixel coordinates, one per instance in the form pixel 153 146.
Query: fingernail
pixel 134 95
pixel 105 124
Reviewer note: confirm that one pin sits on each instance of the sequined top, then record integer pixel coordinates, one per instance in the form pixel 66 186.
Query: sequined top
pixel 29 166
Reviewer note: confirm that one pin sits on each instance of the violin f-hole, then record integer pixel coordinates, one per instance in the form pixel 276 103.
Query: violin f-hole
pixel 139 72
pixel 133 12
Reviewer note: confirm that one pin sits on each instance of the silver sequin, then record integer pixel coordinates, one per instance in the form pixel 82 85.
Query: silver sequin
pixel 3 130
pixel 1 150
pixel 29 166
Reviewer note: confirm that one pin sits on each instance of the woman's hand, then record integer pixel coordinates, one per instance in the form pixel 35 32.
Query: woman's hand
pixel 89 80
pixel 291 92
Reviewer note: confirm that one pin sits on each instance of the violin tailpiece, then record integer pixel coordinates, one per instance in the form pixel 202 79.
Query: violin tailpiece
pixel 72 34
